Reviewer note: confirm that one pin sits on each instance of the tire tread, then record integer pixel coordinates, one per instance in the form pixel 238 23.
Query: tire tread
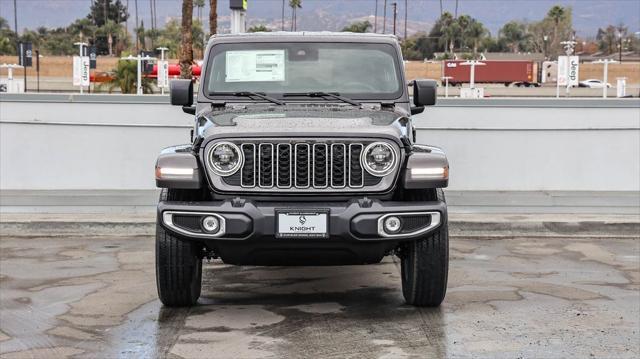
pixel 425 263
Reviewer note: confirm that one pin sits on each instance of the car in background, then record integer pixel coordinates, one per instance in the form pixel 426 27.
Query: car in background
pixel 593 83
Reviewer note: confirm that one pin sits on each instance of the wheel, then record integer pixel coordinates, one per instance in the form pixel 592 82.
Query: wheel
pixel 425 261
pixel 178 263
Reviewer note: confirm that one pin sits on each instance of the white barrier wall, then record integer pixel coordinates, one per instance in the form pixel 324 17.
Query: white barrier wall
pixel 100 142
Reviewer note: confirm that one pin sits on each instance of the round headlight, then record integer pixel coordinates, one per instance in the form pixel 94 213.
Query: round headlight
pixel 225 158
pixel 378 158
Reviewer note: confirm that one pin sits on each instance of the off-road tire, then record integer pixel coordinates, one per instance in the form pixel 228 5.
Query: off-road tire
pixel 178 262
pixel 425 261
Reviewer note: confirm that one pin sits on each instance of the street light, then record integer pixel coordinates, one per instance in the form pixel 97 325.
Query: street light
pixel 446 85
pixel 619 34
pixel 606 63
pixel 81 46
pixel 139 59
pixel 545 38
pixel 473 64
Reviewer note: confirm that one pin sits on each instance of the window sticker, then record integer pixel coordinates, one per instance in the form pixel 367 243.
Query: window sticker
pixel 255 66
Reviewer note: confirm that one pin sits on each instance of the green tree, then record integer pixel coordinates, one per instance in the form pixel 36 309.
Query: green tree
pixel 607 39
pixel 294 5
pixel 258 28
pixel 125 77
pixel 170 37
pixel 514 34
pixel 101 13
pixel 557 14
pixel 112 31
pixel 451 33
pixel 557 23
pixel 197 31
pixel 473 34
pixel 358 26
pixel 84 29
pixel 115 11
pixel 8 38
pixel 141 36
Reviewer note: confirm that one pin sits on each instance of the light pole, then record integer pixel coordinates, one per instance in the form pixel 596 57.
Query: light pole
pixel 545 38
pixel 12 87
pixel 472 77
pixel 406 13
pixel 569 46
pixel 375 19
pixel 446 85
pixel 619 36
pixel 395 15
pixel 384 17
pixel 80 45
pixel 606 63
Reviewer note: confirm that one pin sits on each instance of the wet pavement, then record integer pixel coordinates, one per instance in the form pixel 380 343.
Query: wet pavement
pixel 510 298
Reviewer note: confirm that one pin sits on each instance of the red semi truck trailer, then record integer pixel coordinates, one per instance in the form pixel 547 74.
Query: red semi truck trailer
pixel 519 73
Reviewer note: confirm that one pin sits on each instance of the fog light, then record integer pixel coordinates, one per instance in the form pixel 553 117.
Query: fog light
pixel 210 224
pixel 392 224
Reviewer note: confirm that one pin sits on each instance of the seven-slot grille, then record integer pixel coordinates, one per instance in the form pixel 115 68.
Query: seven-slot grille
pixel 302 166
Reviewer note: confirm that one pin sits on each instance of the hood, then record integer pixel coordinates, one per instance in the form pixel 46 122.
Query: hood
pixel 304 123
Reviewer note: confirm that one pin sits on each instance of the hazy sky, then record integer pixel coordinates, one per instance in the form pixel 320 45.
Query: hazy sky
pixel 588 14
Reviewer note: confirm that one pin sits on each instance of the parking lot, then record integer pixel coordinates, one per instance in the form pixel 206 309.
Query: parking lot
pixel 513 297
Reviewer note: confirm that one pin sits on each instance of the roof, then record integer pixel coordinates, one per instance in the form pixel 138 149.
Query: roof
pixel 304 36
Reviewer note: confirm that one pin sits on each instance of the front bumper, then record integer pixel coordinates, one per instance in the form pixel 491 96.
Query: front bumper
pixel 248 229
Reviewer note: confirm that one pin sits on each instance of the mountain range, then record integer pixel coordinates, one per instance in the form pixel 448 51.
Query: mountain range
pixel 333 15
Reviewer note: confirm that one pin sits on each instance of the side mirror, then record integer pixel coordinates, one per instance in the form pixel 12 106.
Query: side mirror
pixel 424 92
pixel 181 92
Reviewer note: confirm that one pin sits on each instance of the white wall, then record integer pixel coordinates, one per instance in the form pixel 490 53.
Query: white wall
pixel 98 142
pixel 537 148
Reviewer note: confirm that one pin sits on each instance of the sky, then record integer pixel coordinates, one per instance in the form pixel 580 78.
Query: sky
pixel 589 15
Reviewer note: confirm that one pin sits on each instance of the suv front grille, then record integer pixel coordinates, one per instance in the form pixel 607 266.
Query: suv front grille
pixel 302 166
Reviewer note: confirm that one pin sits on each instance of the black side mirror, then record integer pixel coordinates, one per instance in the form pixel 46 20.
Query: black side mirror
pixel 424 92
pixel 181 92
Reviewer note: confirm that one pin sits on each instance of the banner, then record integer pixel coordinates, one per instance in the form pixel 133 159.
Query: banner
pixel 25 54
pixel 93 56
pixel 81 71
pixel 573 70
pixel 163 73
pixel 568 70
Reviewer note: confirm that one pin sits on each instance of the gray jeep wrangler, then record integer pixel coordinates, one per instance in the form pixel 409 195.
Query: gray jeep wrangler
pixel 303 152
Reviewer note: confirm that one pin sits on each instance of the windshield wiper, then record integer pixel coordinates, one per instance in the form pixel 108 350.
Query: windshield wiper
pixel 324 94
pixel 255 94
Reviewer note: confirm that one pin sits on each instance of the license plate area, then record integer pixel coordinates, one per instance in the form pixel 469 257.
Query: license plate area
pixel 302 223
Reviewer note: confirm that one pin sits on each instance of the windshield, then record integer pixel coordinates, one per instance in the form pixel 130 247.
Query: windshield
pixel 354 70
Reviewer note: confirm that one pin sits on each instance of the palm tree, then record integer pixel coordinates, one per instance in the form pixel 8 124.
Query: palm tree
pixel 124 76
pixel 295 5
pixel 213 17
pixel 448 28
pixel 186 45
pixel 110 29
pixel 199 4
pixel 557 14
pixel 514 34
pixel 474 33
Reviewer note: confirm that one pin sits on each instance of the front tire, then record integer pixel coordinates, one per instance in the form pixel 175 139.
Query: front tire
pixel 425 261
pixel 178 264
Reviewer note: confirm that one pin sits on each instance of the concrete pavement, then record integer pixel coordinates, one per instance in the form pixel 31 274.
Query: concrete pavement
pixel 521 297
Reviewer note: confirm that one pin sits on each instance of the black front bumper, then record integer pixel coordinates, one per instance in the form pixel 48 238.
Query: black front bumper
pixel 249 236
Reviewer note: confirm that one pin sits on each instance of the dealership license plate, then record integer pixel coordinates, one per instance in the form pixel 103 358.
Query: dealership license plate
pixel 302 224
